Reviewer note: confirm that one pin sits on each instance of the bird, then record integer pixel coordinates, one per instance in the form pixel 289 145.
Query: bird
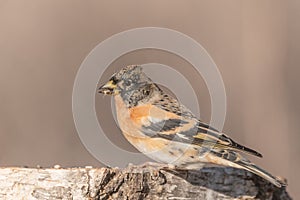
pixel 162 128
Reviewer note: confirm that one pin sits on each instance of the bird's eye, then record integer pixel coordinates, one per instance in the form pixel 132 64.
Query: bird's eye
pixel 128 82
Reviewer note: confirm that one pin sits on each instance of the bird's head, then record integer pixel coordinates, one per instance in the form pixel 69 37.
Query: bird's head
pixel 128 79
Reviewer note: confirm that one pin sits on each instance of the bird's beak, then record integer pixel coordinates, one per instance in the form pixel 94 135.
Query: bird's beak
pixel 108 88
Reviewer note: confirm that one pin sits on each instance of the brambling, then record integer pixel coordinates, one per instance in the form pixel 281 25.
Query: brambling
pixel 161 127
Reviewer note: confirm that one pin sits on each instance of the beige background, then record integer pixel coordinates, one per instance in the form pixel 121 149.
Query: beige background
pixel 255 44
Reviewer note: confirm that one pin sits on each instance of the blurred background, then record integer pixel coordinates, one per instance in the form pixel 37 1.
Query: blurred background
pixel 255 44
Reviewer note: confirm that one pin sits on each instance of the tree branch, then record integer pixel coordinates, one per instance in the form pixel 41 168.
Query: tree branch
pixel 135 182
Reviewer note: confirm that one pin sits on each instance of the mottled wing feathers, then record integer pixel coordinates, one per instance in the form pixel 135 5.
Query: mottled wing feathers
pixel 165 125
pixel 182 126
pixel 196 136
pixel 221 139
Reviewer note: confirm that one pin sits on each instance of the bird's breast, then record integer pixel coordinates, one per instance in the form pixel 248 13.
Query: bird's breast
pixel 129 120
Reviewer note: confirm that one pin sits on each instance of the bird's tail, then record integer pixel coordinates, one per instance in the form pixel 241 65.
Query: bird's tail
pixel 261 172
pixel 236 160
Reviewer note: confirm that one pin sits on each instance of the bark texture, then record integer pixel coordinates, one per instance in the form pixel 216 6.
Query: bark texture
pixel 134 182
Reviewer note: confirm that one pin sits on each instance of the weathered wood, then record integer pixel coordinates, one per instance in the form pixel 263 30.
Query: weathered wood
pixel 134 182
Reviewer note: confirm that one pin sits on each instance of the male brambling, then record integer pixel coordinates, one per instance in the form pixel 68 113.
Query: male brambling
pixel 165 130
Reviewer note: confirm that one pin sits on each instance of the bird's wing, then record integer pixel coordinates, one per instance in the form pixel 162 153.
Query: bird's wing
pixel 177 123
